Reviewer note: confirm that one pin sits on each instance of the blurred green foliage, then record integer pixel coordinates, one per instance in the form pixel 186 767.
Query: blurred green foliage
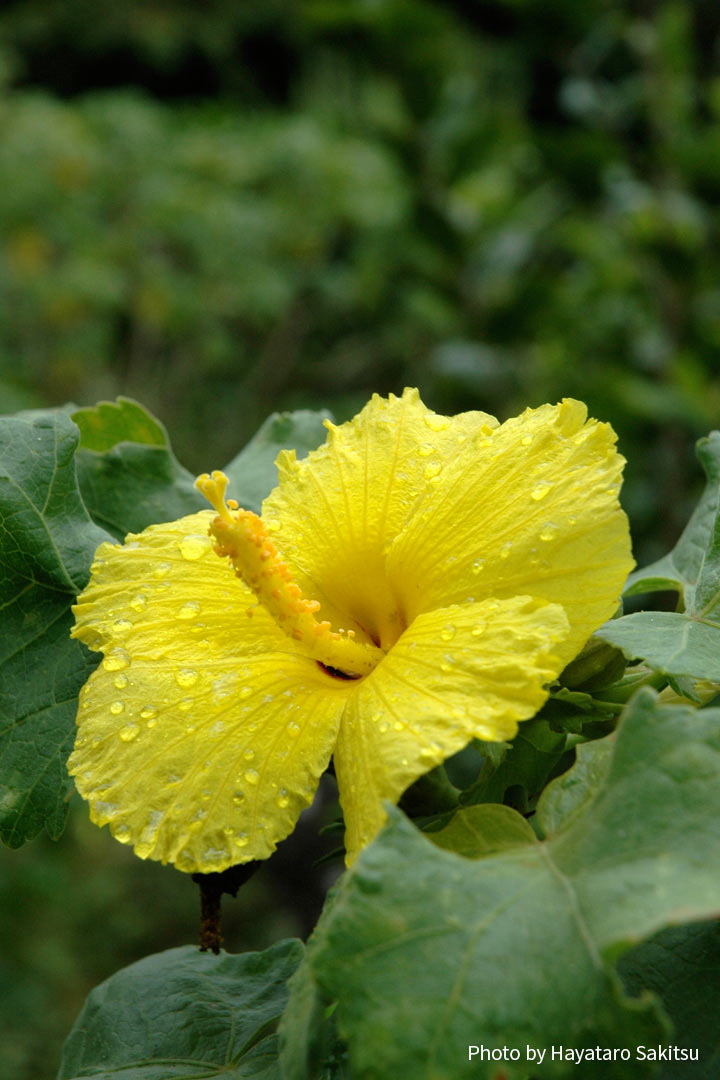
pixel 225 209
pixel 298 203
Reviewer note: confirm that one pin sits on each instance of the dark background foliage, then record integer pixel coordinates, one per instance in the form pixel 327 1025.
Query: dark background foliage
pixel 223 209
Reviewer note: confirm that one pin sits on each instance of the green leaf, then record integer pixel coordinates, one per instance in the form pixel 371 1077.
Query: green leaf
pixel 252 473
pixel 682 966
pixel 521 773
pixel 669 641
pixel 128 474
pixel 427 952
pixel 47 541
pixel 184 1014
pixel 682 568
pixel 481 829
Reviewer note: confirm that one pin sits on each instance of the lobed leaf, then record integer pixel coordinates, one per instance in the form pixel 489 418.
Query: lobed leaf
pixel 47 540
pixel 427 952
pixel 184 1014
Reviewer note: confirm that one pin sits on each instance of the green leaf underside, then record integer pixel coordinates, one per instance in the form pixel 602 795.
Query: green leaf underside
pixel 669 641
pixel 517 946
pixel 47 541
pixel 252 474
pixel 127 472
pixel 682 966
pixel 184 1014
pixel 681 644
pixel 688 560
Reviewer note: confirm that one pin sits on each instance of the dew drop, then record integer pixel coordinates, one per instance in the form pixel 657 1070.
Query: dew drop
pixel 162 570
pixel 248 754
pixel 238 798
pixel 526 440
pixel 478 566
pixel 432 470
pixel 129 732
pixel 382 728
pixel 138 602
pixel 242 840
pixel 120 681
pixel 426 450
pixel 478 629
pixel 252 776
pixel 185 704
pixel 399 725
pixel 436 423
pixel 245 692
pixel 186 677
pixel 194 547
pixel 283 798
pixel 122 833
pixel 506 549
pixel 293 729
pixel 539 492
pixel 121 626
pixel 116 660
pixel 548 531
pixel 148 712
pixel 116 708
pixel 189 611
pixel 447 633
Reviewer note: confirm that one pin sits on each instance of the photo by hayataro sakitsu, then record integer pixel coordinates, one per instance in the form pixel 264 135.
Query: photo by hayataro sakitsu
pixel 414 583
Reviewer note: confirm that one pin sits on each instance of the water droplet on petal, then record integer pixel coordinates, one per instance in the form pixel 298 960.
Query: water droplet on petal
pixel 293 729
pixel 148 712
pixel 194 547
pixel 539 492
pixel 248 754
pixel 120 681
pixel 447 633
pixel 121 626
pixel 186 677
pixel 245 692
pixel 138 602
pixel 436 423
pixel 116 660
pixel 382 728
pixel 399 725
pixel 189 611
pixel 129 732
pixel 122 833
pixel 116 708
pixel 426 450
pixel 432 470
pixel 478 566
pixel 526 440
pixel 239 798
pixel 162 570
pixel 283 798
pixel 548 531
pixel 478 629
pixel 252 776
pixel 185 704
pixel 506 549
pixel 242 840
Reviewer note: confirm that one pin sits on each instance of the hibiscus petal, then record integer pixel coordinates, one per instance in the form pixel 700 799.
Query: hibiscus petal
pixel 203 733
pixel 335 513
pixel 464 671
pixel 529 508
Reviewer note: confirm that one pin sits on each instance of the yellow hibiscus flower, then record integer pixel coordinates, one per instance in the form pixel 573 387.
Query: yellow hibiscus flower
pixel 414 583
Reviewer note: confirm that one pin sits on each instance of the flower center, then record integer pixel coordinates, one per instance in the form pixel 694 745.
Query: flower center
pixel 241 536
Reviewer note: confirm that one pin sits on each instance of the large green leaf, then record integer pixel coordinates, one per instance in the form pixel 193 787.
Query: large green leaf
pixel 427 952
pixel 47 541
pixel 252 473
pixel 184 1014
pixel 669 641
pixel 128 474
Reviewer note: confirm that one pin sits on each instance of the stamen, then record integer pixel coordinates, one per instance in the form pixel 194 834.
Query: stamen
pixel 242 537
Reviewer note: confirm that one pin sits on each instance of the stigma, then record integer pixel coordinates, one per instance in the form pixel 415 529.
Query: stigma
pixel 242 537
